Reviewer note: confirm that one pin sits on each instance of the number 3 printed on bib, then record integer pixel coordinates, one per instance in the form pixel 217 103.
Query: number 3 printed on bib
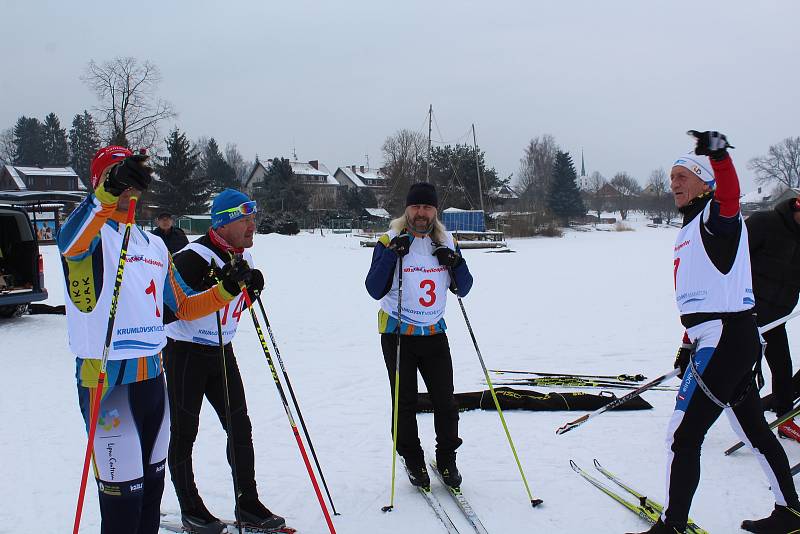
pixel 431 292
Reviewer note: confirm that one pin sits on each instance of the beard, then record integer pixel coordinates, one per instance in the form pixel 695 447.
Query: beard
pixel 421 225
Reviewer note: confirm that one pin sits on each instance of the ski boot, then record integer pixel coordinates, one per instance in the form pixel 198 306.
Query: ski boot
pixel 417 474
pixel 200 521
pixel 661 528
pixel 254 515
pixel 449 471
pixel 782 520
pixel 789 430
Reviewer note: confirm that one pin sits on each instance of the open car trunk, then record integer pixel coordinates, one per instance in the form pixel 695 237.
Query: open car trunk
pixel 20 280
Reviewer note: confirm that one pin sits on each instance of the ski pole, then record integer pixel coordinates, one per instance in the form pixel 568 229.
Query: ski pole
pixel 396 398
pixel 285 402
pixel 227 401
pixel 635 393
pixel 94 409
pixel 616 402
pixel 534 501
pixel 294 400
pixel 620 377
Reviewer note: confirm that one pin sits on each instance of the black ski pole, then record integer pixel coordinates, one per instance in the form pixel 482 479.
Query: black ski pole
pixel 294 400
pixel 227 402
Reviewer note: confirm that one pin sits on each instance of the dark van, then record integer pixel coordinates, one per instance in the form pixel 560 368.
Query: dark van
pixel 21 265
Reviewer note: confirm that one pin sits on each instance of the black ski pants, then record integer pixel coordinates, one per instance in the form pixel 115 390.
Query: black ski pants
pixel 129 450
pixel 726 353
pixel 779 359
pixel 194 371
pixel 431 356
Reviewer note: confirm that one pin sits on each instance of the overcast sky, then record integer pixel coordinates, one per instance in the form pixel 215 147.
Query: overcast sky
pixel 621 80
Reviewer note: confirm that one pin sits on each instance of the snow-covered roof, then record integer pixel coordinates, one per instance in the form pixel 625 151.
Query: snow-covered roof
pixel 456 210
pixel 196 217
pixel 47 171
pixel 756 197
pixel 378 212
pixel 16 177
pixel 348 172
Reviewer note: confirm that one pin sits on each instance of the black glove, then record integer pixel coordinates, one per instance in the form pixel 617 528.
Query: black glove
pixel 682 358
pixel 447 256
pixel 400 244
pixel 234 273
pixel 712 144
pixel 133 172
pixel 256 283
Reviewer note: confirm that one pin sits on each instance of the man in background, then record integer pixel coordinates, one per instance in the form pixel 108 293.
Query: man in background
pixel 172 236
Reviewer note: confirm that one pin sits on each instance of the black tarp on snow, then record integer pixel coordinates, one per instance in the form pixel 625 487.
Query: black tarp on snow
pixel 523 399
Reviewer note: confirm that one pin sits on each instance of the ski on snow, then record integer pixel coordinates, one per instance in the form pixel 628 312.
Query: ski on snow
pixel 463 504
pixel 646 508
pixel 438 509
pixel 173 525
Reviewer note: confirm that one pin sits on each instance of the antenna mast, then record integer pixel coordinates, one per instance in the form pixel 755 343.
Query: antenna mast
pixel 428 159
pixel 477 167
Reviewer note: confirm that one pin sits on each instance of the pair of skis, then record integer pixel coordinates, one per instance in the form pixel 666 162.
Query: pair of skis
pixel 646 508
pixel 177 526
pixel 461 501
pixel 576 382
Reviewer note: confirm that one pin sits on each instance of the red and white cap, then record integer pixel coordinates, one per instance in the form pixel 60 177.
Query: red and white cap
pixel 105 158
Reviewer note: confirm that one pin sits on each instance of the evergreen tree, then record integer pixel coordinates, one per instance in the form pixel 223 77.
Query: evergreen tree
pixel 179 188
pixel 280 191
pixel 84 141
pixel 216 169
pixel 355 199
pixel 454 173
pixel 55 142
pixel 29 142
pixel 564 199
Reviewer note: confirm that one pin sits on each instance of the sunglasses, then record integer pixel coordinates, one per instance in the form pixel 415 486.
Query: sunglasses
pixel 246 208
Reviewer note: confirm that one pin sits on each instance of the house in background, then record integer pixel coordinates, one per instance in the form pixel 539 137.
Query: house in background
pixel 760 199
pixel 23 178
pixel 315 176
pixel 361 177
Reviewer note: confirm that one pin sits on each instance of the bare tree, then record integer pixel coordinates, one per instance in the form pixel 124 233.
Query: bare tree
pixel 594 200
pixel 234 158
pixel 781 164
pixel 404 157
pixel 536 171
pixel 8 149
pixel 658 202
pixel 130 110
pixel 628 190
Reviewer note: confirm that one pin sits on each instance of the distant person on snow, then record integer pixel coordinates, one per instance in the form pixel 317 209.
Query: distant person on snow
pixel 194 368
pixel 130 443
pixel 775 258
pixel 173 237
pixel 430 256
pixel 721 345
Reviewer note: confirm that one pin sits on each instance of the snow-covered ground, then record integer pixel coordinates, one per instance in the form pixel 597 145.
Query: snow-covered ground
pixel 598 302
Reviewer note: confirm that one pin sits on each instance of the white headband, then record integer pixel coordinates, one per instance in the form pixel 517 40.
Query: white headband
pixel 699 165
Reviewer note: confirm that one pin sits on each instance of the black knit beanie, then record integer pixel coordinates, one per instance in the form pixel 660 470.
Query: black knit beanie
pixel 422 193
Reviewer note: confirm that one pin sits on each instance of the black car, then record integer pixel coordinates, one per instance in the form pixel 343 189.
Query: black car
pixel 21 265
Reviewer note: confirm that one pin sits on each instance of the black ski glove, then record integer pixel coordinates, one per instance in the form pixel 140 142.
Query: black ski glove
pixel 133 172
pixel 256 283
pixel 447 256
pixel 712 144
pixel 235 273
pixel 682 358
pixel 401 244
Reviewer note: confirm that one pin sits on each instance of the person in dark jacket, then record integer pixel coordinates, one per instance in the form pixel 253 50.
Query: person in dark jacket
pixel 172 236
pixel 775 259
pixel 431 265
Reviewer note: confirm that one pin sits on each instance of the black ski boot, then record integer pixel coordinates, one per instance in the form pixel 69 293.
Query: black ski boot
pixel 417 474
pixel 253 514
pixel 450 475
pixel 782 520
pixel 200 521
pixel 661 528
